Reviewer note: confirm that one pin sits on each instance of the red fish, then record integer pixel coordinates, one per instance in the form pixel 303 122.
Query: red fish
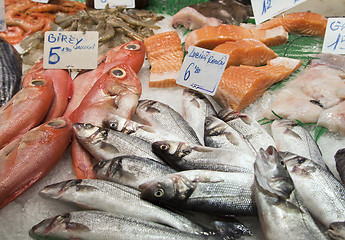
pixel 30 156
pixel 132 53
pixel 25 110
pixel 63 87
pixel 116 92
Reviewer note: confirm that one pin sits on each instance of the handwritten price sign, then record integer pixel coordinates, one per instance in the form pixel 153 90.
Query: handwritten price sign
pixel 202 70
pixel 71 50
pixel 334 41
pixel 266 9
pixel 2 16
pixel 100 4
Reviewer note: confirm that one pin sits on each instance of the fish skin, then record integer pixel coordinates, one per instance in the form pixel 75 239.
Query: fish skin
pixel 10 71
pixel 116 92
pixel 130 170
pixel 105 144
pixel 115 198
pixel 32 155
pixel 248 128
pixel 281 211
pixel 317 187
pixel 184 156
pixel 339 163
pixel 123 54
pixel 99 225
pixel 205 191
pixel 196 107
pixel 289 136
pixel 160 115
pixel 25 110
pixel 336 230
pixel 218 134
pixel 62 83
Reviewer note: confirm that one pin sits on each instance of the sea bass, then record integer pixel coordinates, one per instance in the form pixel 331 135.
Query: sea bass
pixel 131 170
pixel 281 211
pixel 162 116
pixel 116 198
pixel 99 225
pixel 203 190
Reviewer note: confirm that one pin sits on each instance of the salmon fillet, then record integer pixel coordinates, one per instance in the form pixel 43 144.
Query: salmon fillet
pixel 165 54
pixel 211 36
pixel 241 86
pixel 305 23
pixel 246 52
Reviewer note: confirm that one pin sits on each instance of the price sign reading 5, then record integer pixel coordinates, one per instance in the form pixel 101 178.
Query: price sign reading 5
pixel 191 68
pixel 53 58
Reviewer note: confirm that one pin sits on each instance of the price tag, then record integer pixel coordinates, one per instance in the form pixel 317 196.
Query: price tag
pixel 202 70
pixel 70 50
pixel 2 16
pixel 100 4
pixel 266 9
pixel 334 41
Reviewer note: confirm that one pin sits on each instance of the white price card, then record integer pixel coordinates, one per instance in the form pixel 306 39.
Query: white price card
pixel 100 4
pixel 334 41
pixel 2 16
pixel 266 9
pixel 202 70
pixel 70 50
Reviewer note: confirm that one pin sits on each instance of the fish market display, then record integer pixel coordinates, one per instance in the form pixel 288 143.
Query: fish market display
pixel 241 86
pixel 281 211
pixel 212 13
pixel 203 190
pixel 25 110
pixel 209 37
pixel 246 52
pixel 131 170
pixel 10 71
pixel 165 54
pixel 317 187
pixel 23 161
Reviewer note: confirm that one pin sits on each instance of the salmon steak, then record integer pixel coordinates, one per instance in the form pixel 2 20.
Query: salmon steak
pixel 165 54
pixel 246 52
pixel 241 86
pixel 211 36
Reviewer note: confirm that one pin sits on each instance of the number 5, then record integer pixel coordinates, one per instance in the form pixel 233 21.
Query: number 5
pixel 53 56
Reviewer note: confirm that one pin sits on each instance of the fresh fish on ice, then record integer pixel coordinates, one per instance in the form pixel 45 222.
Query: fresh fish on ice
pixel 184 156
pixel 281 212
pixel 196 107
pixel 203 190
pixel 289 136
pixel 131 170
pixel 160 115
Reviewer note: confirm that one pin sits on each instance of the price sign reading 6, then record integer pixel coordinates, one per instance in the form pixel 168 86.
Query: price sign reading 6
pixel 53 58
pixel 188 70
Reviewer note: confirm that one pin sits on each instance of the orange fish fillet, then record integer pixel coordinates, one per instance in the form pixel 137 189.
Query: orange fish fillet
pixel 246 52
pixel 241 86
pixel 306 23
pixel 209 37
pixel 165 54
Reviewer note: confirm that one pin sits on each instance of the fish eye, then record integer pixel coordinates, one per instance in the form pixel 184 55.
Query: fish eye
pixel 118 72
pixel 113 125
pixel 300 160
pixel 282 163
pixel 158 193
pixel 135 47
pixel 88 125
pixel 101 164
pixel 164 147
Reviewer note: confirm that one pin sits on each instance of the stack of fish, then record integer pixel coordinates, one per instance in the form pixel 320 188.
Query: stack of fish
pixel 159 173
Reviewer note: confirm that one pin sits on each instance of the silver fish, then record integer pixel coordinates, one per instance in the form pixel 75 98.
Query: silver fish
pixel 160 115
pixel 185 156
pixel 145 132
pixel 248 128
pixel 131 170
pixel 289 136
pixel 100 225
pixel 317 187
pixel 336 230
pixel 105 144
pixel 202 190
pixel 281 211
pixel 218 134
pixel 196 107
pixel 339 158
pixel 116 198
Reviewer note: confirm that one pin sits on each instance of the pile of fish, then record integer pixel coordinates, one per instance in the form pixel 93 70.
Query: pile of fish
pixel 160 172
